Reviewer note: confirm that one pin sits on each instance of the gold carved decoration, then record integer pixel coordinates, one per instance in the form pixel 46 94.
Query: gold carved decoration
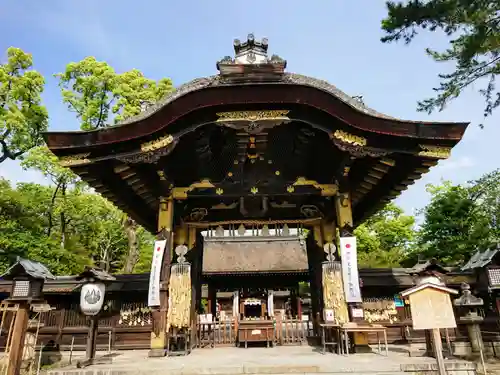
pixel 349 138
pixel 343 210
pixel 253 122
pixel 290 189
pixel 157 143
pixel 161 174
pixel 219 191
pixel 181 192
pixel 327 190
pixel 438 152
pixel 254 190
pixel 73 160
pixel 253 115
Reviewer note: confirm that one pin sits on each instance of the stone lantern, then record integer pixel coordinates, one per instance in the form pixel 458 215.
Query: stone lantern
pixel 469 306
pixel 28 278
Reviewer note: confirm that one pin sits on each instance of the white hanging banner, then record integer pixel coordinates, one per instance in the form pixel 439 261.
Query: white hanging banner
pixel 236 304
pixel 350 276
pixel 270 303
pixel 154 276
pixel 92 298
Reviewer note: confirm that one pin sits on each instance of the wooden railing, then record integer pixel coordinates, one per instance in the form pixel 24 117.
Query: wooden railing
pixel 224 333
pixel 292 331
pixel 216 334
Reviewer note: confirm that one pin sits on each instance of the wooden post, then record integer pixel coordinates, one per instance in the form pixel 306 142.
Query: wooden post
pixel 212 300
pixel 17 341
pixel 299 304
pixel 344 219
pixel 92 339
pixel 60 325
pixel 438 350
pixel 165 225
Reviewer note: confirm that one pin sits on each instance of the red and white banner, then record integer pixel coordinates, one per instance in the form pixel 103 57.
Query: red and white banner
pixel 350 276
pixel 154 276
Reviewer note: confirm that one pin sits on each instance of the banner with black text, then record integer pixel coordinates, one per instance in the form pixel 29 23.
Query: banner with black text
pixel 154 276
pixel 350 275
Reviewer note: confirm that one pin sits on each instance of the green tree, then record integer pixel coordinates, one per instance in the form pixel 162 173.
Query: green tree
pixel 100 97
pixel 385 238
pixel 460 220
pixel 474 31
pixel 23 223
pixel 22 116
pixel 41 159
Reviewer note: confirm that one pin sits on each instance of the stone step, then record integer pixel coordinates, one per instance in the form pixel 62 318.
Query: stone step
pixel 220 371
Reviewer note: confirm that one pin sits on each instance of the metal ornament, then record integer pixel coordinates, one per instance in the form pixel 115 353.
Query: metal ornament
pixel 92 298
pixel 181 251
pixel 329 248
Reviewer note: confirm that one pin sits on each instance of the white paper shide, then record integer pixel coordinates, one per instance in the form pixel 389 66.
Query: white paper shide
pixel 350 276
pixel 92 298
pixel 154 276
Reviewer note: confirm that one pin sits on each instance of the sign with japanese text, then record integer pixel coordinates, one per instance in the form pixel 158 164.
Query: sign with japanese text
pixel 350 276
pixel 154 276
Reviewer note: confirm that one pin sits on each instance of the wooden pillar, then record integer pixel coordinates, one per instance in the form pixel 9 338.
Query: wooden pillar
pixel 159 334
pixel 315 258
pixel 343 210
pixel 187 236
pixel 92 339
pixel 212 300
pixel 299 303
pixel 17 341
pixel 345 223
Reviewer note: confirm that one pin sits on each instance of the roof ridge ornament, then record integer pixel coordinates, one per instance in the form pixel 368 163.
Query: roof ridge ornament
pixel 251 62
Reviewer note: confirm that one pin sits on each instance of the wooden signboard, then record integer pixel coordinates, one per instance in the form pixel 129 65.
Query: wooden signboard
pixel 431 308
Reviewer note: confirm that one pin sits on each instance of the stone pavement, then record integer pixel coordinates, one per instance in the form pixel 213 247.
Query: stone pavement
pixel 277 360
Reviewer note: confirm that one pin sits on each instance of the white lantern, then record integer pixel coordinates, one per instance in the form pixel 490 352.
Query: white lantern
pixel 92 298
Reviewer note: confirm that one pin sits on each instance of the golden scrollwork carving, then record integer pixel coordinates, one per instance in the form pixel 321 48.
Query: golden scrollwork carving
pixel 157 143
pixel 327 190
pixel 438 152
pixel 181 192
pixel 161 174
pixel 73 160
pixel 349 138
pixel 253 122
pixel 253 115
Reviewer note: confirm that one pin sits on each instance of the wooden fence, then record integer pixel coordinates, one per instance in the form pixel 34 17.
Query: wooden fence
pixel 131 329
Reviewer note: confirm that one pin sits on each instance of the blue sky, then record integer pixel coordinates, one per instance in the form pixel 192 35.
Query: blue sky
pixel 337 41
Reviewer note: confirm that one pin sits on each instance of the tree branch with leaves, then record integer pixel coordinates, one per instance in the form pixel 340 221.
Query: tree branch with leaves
pixel 23 118
pixel 474 31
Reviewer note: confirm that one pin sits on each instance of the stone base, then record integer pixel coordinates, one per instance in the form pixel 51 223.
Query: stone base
pixel 365 349
pixel 94 361
pixel 452 368
pixel 155 353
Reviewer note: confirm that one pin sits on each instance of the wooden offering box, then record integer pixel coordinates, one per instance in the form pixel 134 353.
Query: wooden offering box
pixel 256 331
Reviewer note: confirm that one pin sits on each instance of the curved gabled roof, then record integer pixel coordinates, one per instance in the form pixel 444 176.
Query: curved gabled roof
pixel 311 137
pixel 133 127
